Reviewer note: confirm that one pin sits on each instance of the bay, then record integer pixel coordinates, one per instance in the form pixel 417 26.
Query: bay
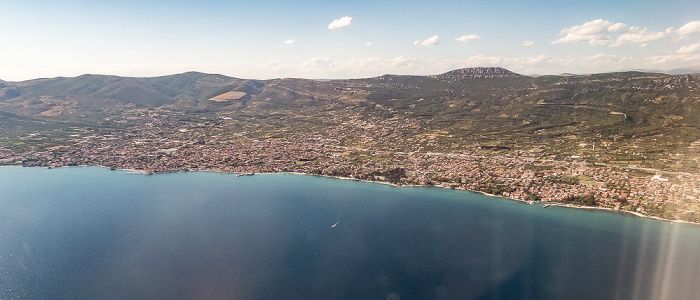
pixel 92 233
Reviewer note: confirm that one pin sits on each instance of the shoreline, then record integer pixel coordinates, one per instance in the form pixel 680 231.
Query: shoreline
pixel 564 205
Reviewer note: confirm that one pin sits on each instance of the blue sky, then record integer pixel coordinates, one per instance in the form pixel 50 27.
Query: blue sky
pixel 272 39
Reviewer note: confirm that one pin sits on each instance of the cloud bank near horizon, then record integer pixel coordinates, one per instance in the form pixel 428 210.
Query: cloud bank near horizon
pixel 526 65
pixel 607 33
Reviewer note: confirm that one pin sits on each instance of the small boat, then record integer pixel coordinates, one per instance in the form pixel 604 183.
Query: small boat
pixel 546 205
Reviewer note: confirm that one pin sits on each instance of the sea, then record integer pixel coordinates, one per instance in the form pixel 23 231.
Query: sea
pixel 93 233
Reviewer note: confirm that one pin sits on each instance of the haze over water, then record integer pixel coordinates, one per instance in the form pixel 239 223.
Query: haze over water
pixel 93 233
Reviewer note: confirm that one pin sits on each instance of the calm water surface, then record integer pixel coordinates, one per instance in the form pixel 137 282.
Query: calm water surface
pixel 91 233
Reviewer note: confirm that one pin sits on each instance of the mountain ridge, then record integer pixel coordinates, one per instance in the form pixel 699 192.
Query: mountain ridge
pixel 474 105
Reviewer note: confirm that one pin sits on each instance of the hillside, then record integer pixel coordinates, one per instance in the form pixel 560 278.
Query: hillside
pixel 627 141
pixel 631 117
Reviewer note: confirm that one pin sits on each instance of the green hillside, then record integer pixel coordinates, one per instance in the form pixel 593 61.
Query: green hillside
pixel 619 118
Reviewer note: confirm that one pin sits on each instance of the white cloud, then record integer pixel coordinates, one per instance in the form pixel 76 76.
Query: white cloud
pixel 290 42
pixel 689 28
pixel 602 32
pixel 599 57
pixel 671 61
pixel 429 42
pixel 341 23
pixel 689 49
pixel 368 44
pixel 616 27
pixel 637 35
pixel 468 38
pixel 273 64
pixel 528 43
pixel 596 32
pixel 404 61
pixel 318 62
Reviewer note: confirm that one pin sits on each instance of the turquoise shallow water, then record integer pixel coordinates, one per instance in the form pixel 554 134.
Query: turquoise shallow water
pixel 88 232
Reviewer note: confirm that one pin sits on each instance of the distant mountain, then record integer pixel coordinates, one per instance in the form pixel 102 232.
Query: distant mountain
pixel 683 71
pixel 187 90
pixel 202 91
pixel 677 71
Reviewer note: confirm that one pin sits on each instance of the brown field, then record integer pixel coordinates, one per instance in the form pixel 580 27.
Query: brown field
pixel 232 95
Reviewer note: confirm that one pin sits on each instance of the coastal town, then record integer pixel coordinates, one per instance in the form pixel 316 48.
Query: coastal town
pixel 361 150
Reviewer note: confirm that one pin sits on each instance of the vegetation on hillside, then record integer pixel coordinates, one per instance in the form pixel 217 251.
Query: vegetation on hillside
pixel 624 119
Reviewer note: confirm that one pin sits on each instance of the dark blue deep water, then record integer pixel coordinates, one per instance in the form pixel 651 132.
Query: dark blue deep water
pixel 91 233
